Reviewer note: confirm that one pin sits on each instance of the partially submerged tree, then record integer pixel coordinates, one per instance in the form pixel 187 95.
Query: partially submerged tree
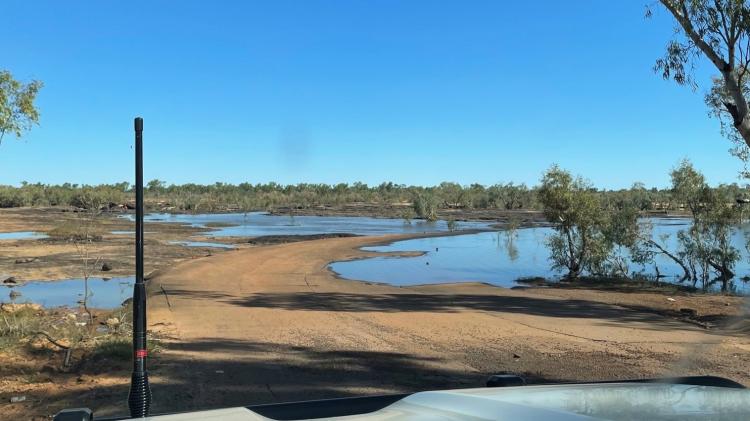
pixel 425 206
pixel 621 235
pixel 569 204
pixel 707 244
pixel 17 111
pixel 586 233
pixel 704 249
pixel 648 247
pixel 712 230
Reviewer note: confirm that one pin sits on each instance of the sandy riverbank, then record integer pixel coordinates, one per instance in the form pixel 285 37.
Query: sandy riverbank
pixel 54 259
pixel 272 324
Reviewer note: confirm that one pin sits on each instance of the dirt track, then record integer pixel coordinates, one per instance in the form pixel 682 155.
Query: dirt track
pixel 272 324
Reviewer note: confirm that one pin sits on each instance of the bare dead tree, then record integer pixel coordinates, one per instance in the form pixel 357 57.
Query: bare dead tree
pixel 86 235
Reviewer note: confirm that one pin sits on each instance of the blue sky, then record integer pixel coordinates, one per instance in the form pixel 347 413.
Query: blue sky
pixel 414 92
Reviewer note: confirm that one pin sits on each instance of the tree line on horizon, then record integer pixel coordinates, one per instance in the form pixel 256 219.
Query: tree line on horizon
pixel 425 202
pixel 596 232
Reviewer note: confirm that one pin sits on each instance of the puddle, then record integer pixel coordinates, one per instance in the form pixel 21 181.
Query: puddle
pixel 202 244
pixel 128 232
pixel 104 294
pixel 482 257
pixel 22 235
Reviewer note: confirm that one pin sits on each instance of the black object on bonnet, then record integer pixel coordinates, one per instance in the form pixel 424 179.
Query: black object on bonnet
pixel 139 398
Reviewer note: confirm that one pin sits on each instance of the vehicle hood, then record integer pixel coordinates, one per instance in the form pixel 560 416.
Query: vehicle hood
pixel 615 401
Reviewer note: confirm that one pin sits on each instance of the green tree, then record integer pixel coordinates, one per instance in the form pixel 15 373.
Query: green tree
pixel 589 237
pixel 717 30
pixel 17 111
pixel 513 195
pixel 688 186
pixel 425 206
pixel 571 204
pixel 640 197
pixel 705 248
pixel 621 234
pixel 157 186
pixel 452 193
pixel 707 244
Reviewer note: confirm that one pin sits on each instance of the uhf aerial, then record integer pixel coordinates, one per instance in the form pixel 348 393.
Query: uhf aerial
pixel 139 398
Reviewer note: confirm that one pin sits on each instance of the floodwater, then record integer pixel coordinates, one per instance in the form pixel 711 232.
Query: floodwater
pixel 497 259
pixel 103 293
pixel 254 224
pixel 491 257
pixel 22 235
pixel 111 293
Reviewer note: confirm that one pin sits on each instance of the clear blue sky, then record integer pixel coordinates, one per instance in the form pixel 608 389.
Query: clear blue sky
pixel 414 92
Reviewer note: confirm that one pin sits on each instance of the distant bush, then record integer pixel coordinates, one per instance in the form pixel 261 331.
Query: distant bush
pixel 10 197
pixel 425 206
pixel 407 214
pixel 75 231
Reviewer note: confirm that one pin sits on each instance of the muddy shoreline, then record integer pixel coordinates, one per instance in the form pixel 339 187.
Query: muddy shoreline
pixel 61 258
pixel 53 258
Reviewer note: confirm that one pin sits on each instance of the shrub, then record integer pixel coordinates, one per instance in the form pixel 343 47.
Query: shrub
pixel 114 348
pixel 75 231
pixel 425 206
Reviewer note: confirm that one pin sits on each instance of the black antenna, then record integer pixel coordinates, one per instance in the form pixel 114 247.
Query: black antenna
pixel 139 399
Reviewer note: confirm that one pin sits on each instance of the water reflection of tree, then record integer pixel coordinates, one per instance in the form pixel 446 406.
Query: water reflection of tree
pixel 506 240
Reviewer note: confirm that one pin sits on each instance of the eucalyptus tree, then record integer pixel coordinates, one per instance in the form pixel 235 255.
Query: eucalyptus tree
pixel 592 234
pixel 425 205
pixel 17 110
pixel 452 194
pixel 688 186
pixel 514 196
pixel 717 31
pixel 572 205
pixel 705 248
pixel 711 234
pixel 640 197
